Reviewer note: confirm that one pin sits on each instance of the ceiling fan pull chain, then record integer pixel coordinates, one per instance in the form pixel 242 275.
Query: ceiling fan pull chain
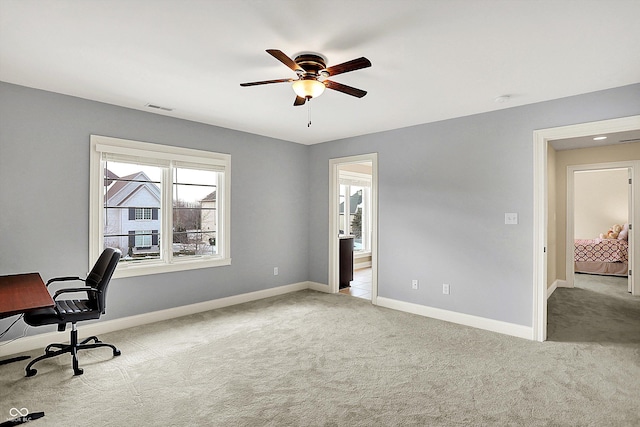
pixel 309 112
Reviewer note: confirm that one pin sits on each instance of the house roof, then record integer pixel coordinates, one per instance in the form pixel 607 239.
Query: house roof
pixel 211 197
pixel 110 177
pixel 354 201
pixel 124 187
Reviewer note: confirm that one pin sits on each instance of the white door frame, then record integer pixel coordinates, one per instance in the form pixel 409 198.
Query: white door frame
pixel 334 196
pixel 570 232
pixel 541 140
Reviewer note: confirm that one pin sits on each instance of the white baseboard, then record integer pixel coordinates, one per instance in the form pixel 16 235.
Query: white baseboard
pixel 459 318
pixel 320 287
pixel 102 327
pixel 42 340
pixel 556 284
pixel 552 288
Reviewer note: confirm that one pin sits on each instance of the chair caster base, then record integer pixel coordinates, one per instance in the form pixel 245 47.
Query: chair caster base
pixel 78 371
pixel 117 353
pixel 31 372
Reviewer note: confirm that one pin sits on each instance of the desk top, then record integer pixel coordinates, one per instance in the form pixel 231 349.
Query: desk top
pixel 23 292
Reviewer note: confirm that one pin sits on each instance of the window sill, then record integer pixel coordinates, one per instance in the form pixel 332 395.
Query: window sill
pixel 357 255
pixel 145 269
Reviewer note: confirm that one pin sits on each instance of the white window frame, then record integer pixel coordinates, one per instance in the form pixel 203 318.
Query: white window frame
pixel 143 236
pixel 175 157
pixel 357 179
pixel 143 214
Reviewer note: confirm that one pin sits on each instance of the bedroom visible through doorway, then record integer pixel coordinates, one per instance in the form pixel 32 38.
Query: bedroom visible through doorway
pixel 601 216
pixel 550 216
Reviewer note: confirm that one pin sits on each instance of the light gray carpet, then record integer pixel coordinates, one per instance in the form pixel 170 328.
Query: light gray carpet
pixel 312 359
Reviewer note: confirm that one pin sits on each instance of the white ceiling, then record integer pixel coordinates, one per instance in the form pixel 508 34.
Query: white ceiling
pixel 613 138
pixel 432 59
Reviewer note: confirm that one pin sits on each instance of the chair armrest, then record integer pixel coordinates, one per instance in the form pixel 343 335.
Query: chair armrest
pixel 63 279
pixel 69 290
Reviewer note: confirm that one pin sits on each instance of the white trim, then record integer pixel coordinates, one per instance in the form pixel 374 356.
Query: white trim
pixel 167 152
pixel 506 328
pixel 541 139
pixel 552 288
pixel 555 285
pixel 320 287
pixel 148 268
pixel 540 221
pixel 174 157
pixel 102 327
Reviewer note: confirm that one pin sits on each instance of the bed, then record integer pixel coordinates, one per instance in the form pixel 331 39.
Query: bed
pixel 602 256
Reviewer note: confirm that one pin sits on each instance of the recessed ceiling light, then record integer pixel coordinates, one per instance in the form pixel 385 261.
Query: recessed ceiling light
pixel 501 99
pixel 599 138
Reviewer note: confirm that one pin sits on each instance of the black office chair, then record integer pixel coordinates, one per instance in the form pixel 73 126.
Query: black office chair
pixel 72 311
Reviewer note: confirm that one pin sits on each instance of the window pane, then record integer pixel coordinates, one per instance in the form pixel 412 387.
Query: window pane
pixel 356 207
pixel 195 214
pixel 342 222
pixel 132 210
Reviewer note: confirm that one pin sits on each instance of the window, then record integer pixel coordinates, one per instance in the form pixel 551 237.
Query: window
pixel 355 209
pixel 142 239
pixel 143 213
pixel 166 208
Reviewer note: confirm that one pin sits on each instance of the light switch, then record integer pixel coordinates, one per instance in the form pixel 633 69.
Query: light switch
pixel 511 218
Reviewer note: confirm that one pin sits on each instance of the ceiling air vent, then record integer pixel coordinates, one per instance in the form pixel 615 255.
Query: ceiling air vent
pixel 630 140
pixel 158 107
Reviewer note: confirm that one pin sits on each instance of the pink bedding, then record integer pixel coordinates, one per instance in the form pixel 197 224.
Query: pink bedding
pixel 601 250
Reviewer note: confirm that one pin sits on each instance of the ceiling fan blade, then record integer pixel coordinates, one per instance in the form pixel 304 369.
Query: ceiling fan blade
pixel 282 57
pixel 345 67
pixel 266 82
pixel 299 101
pixel 358 93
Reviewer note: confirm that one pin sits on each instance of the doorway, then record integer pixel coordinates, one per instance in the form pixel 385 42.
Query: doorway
pixel 541 141
pixel 599 197
pixel 353 207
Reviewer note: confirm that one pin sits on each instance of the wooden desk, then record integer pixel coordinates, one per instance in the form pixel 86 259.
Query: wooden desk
pixel 20 293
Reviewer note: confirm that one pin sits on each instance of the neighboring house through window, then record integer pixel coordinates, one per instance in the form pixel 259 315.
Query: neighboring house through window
pixel 132 204
pixel 355 208
pixel 164 207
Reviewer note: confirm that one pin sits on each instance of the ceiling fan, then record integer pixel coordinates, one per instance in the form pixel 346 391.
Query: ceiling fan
pixel 312 74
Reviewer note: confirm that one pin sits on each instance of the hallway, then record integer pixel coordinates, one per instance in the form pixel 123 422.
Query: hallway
pixel 598 309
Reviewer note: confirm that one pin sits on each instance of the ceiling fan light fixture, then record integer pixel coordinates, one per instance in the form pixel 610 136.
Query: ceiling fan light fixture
pixel 308 88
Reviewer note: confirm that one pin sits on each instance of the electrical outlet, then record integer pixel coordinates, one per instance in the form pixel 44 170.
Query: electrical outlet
pixel 275 271
pixel 445 289
pixel 414 284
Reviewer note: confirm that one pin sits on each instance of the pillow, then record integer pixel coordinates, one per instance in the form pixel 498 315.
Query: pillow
pixel 624 234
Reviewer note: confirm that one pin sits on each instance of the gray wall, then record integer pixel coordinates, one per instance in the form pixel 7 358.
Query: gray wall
pixel 443 190
pixel 44 199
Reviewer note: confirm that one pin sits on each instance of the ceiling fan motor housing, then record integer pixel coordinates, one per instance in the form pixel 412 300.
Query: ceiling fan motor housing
pixel 312 64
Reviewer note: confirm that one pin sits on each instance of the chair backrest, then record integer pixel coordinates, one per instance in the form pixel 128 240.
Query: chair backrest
pixel 101 273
